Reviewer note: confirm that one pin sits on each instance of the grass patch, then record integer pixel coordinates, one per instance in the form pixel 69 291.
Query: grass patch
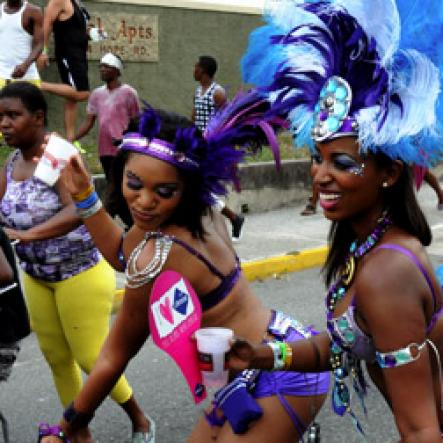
pixel 287 151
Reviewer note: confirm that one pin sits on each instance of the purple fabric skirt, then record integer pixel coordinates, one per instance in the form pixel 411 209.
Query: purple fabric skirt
pixel 284 383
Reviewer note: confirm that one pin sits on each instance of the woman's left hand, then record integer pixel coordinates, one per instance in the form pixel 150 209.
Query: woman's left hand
pixel 15 234
pixel 241 355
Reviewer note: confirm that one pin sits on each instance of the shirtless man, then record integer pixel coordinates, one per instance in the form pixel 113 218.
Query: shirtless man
pixel 21 23
pixel 67 19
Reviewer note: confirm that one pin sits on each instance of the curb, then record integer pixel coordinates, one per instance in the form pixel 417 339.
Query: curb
pixel 282 264
pixel 267 267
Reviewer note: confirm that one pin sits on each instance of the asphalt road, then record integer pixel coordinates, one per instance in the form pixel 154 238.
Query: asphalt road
pixel 29 396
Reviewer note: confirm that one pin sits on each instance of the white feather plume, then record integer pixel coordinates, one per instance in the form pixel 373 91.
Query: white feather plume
pixel 286 15
pixel 379 19
pixel 417 84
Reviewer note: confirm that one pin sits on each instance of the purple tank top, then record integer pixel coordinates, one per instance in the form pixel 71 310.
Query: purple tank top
pixel 29 203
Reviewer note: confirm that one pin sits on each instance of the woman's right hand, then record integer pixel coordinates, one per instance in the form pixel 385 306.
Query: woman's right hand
pixel 75 176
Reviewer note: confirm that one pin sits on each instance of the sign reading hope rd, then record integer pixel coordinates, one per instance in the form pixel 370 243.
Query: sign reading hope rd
pixel 133 37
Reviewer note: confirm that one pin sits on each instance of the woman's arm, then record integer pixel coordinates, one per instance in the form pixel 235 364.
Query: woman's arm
pixel 61 223
pixel 6 272
pixel 107 235
pixel 3 178
pixel 392 309
pixel 128 333
pixel 309 355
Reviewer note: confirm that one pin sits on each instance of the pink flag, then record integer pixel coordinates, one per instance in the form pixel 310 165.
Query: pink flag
pixel 174 315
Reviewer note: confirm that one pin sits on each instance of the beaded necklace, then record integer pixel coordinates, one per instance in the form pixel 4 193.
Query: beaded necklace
pixel 344 363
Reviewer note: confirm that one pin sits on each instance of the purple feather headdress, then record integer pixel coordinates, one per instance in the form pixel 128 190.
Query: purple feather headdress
pixel 215 157
pixel 248 122
pixel 144 142
pixel 336 68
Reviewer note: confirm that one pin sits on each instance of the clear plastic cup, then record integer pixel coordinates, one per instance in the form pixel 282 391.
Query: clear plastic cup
pixel 212 346
pixel 97 35
pixel 54 158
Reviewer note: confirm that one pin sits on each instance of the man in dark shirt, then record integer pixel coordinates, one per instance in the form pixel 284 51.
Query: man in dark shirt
pixel 67 19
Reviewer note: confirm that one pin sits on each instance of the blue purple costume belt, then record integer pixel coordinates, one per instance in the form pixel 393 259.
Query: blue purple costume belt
pixel 237 399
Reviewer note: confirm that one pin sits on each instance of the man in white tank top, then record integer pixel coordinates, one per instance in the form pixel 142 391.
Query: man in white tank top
pixel 21 40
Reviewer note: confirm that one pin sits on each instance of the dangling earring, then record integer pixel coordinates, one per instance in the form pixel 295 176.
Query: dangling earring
pixel 385 184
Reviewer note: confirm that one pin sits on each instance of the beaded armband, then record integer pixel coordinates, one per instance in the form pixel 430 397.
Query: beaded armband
pixel 136 278
pixel 400 357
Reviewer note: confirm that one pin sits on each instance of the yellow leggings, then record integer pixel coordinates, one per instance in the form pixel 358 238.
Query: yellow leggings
pixel 71 321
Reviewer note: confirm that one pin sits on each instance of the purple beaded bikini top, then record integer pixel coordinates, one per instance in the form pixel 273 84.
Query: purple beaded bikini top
pixel 348 335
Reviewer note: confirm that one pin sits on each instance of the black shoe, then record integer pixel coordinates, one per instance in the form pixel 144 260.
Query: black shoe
pixel 237 228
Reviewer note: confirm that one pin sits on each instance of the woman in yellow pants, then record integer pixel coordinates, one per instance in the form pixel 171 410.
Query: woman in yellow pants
pixel 71 321
pixel 69 287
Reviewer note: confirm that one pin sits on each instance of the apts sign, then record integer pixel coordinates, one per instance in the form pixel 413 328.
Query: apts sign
pixel 134 37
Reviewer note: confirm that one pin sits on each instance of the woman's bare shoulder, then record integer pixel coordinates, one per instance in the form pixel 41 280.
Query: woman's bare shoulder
pixel 392 268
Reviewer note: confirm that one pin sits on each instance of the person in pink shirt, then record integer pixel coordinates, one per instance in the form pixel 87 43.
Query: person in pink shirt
pixel 114 104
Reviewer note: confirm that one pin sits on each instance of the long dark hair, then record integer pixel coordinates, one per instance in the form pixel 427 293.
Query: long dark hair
pixel 403 209
pixel 190 210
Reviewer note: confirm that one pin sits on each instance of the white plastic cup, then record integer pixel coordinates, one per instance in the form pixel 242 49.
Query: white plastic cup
pixel 212 346
pixel 54 158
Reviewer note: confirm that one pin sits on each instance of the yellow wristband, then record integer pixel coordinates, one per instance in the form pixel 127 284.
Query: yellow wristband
pixel 282 346
pixel 288 357
pixel 83 194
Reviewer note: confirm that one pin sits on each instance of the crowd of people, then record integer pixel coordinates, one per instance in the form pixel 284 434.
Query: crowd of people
pixel 360 87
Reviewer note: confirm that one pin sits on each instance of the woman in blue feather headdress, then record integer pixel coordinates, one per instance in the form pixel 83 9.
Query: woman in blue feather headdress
pixel 362 92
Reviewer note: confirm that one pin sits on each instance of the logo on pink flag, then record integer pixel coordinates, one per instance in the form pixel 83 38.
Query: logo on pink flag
pixel 174 316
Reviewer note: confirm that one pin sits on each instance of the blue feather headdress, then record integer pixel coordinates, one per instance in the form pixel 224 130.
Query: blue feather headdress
pixel 347 67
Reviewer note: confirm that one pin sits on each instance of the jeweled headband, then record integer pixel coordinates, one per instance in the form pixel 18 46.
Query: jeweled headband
pixel 157 148
pixel 213 160
pixel 338 67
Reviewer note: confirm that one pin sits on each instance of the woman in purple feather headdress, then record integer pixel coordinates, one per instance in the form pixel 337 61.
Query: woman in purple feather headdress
pixel 362 92
pixel 167 174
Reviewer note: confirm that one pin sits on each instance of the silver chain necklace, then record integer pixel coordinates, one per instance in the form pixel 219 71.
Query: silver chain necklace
pixel 136 278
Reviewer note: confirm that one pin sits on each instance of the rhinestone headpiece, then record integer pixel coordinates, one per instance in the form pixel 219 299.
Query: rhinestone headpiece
pixel 331 118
